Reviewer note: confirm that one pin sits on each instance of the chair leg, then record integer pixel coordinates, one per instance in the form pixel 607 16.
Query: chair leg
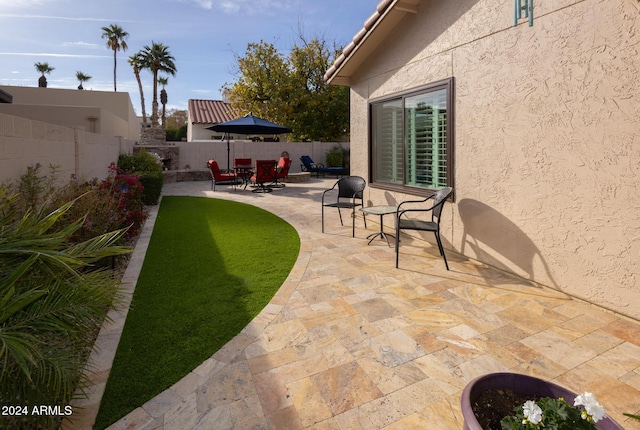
pixel 340 214
pixel 323 218
pixel 353 222
pixel 441 250
pixel 397 243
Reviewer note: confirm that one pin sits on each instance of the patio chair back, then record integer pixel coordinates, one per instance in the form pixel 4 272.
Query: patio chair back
pixel 349 196
pixel 351 187
pixel 242 161
pixel 308 163
pixel 265 173
pixel 403 223
pixel 217 176
pixel 282 170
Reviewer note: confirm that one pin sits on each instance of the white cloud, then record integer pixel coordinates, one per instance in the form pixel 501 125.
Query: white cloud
pixel 23 4
pixel 205 4
pixel 36 54
pixel 81 44
pixel 62 18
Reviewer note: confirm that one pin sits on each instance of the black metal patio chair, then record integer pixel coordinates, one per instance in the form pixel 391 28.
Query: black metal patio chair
pixel 349 196
pixel 404 223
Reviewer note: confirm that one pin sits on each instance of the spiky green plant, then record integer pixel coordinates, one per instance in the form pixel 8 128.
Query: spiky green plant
pixel 52 301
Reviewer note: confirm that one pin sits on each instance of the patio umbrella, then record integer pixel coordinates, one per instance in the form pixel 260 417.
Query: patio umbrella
pixel 248 124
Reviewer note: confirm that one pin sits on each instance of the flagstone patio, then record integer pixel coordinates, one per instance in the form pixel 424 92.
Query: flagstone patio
pixel 351 342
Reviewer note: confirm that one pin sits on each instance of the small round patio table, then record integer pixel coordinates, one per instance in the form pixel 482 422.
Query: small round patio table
pixel 382 211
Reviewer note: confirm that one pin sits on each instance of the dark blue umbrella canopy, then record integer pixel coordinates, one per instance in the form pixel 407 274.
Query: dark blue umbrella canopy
pixel 249 124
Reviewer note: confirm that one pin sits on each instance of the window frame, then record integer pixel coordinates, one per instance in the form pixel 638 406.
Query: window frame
pixel 448 85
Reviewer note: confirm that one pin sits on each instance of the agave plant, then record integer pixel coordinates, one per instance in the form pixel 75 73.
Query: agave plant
pixel 53 298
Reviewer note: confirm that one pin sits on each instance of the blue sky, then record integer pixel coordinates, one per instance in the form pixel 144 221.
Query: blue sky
pixel 202 35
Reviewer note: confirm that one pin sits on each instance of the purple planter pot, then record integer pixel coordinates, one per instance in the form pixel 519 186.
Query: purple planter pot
pixel 520 384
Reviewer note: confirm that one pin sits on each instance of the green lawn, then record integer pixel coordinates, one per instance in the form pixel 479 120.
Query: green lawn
pixel 210 268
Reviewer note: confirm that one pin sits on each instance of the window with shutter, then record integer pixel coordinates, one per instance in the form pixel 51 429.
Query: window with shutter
pixel 411 139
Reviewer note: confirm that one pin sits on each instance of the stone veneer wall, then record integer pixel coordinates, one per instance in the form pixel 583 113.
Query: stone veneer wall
pixel 546 136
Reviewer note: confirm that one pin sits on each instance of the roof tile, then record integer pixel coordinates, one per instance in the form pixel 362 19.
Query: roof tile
pixel 210 111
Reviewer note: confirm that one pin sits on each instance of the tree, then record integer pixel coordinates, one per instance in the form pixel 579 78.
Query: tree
pixel 260 89
pixel 291 90
pixel 137 62
pixel 82 78
pixel 43 68
pixel 116 40
pixel 157 58
pixel 163 98
pixel 176 124
pixel 322 110
pixel 176 118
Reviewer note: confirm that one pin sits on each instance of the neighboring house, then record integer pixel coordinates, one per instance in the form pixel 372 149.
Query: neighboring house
pixel 205 113
pixel 102 112
pixel 537 128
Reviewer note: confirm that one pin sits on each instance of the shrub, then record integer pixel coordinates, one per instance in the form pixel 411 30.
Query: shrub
pixel 140 162
pixel 108 205
pixel 34 187
pixel 152 183
pixel 337 157
pixel 144 165
pixel 52 301
pixel 128 191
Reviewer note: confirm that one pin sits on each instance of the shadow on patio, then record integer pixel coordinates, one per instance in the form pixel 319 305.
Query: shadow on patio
pixel 350 342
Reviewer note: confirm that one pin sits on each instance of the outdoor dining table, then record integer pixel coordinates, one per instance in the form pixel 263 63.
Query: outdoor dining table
pixel 382 211
pixel 244 172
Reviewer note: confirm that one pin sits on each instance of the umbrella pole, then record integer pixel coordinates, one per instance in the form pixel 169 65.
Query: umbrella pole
pixel 228 166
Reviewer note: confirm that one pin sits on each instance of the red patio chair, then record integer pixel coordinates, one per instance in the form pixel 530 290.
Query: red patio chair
pixel 265 173
pixel 218 177
pixel 282 170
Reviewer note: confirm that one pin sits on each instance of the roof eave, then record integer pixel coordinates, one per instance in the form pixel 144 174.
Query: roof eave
pixel 376 28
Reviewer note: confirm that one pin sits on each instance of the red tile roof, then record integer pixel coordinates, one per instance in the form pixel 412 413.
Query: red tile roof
pixel 210 111
pixel 374 22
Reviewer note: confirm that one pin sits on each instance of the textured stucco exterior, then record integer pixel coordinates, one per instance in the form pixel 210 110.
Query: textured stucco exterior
pixel 101 112
pixel 547 135
pixel 75 153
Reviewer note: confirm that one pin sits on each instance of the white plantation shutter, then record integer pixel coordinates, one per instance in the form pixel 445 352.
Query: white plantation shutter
pixel 387 141
pixel 426 140
pixel 409 138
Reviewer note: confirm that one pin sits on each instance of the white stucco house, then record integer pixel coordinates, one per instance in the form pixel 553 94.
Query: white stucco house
pixel 536 127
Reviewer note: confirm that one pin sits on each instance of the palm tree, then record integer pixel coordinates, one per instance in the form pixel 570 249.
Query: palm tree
pixel 115 36
pixel 157 58
pixel 137 62
pixel 43 68
pixel 163 98
pixel 82 78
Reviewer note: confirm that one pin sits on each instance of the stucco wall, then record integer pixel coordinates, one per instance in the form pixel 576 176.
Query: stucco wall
pixel 196 154
pixel 547 147
pixel 24 143
pixel 113 111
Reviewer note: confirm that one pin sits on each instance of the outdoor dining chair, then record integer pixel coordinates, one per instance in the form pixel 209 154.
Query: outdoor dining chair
pixel 265 174
pixel 218 177
pixel 433 224
pixel 349 196
pixel 282 170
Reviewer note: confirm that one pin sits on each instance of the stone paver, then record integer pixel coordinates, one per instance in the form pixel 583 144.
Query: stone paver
pixel 351 342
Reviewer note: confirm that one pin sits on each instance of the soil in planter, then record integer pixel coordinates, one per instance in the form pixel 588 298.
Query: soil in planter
pixel 493 405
